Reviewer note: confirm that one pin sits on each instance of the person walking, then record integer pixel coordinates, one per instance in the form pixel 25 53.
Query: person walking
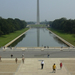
pixel 48 55
pixel 0 58
pixel 4 47
pixel 16 60
pixel 22 55
pixel 42 64
pixel 61 65
pixel 23 59
pixel 11 55
pixel 54 68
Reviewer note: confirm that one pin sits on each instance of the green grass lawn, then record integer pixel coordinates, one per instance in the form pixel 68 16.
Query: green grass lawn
pixel 4 39
pixel 68 37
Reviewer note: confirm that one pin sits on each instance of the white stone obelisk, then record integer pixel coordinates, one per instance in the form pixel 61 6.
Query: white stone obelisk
pixel 38 12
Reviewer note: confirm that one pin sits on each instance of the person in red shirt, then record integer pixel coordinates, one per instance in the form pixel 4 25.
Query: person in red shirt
pixel 61 65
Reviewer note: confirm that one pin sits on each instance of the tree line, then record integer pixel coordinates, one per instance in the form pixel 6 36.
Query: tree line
pixel 10 25
pixel 64 25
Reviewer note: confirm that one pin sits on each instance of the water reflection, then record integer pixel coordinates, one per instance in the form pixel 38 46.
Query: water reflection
pixel 58 40
pixel 17 41
pixel 38 37
pixel 48 39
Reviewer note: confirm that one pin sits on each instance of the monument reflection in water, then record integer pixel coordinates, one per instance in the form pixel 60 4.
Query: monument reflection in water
pixel 38 37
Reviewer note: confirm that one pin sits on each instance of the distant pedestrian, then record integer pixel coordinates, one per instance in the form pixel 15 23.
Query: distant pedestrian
pixel 4 47
pixel 54 68
pixel 42 64
pixel 61 65
pixel 61 48
pixel 16 60
pixel 23 59
pixel 11 55
pixel 48 55
pixel 22 55
pixel 0 58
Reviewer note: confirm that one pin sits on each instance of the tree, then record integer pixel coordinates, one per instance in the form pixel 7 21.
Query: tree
pixel 10 25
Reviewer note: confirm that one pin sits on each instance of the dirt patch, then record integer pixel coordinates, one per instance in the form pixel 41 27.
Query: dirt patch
pixel 68 61
pixel 73 73
pixel 70 67
pixel 9 61
pixel 6 73
pixel 8 67
pixel 69 64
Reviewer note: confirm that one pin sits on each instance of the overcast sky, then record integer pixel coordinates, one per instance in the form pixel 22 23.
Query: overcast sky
pixel 27 9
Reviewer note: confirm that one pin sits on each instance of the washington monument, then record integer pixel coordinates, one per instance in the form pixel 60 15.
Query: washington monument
pixel 38 12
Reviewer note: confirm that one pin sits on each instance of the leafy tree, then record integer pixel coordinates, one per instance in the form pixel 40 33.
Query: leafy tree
pixel 64 25
pixel 10 25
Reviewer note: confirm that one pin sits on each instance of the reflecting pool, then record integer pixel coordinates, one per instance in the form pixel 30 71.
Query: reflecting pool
pixel 38 37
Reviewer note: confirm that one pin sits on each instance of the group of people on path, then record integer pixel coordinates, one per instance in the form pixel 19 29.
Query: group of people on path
pixel 54 66
pixel 16 59
pixel 42 62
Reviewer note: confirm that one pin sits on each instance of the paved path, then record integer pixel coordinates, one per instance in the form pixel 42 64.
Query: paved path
pixel 32 67
pixel 38 53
